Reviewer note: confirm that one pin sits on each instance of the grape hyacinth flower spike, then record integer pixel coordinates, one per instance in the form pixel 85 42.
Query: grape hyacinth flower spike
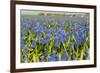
pixel 25 49
pixel 71 44
pixel 45 52
pixel 86 54
pixel 64 56
pixel 33 44
pixel 55 56
pixel 56 41
pixel 22 43
pixel 49 58
pixel 42 59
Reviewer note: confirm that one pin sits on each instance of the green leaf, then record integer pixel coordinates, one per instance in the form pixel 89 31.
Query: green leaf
pixel 82 54
pixel 34 57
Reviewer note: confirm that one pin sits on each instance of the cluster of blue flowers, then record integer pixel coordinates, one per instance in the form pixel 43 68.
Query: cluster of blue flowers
pixel 52 38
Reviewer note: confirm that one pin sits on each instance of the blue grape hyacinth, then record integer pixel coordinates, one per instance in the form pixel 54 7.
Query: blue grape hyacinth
pixel 71 44
pixel 24 32
pixel 55 56
pixel 23 46
pixel 42 59
pixel 22 43
pixel 62 37
pixel 45 40
pixel 45 52
pixel 64 56
pixel 86 54
pixel 33 44
pixel 56 41
pixel 54 36
pixel 25 49
pixel 26 23
pixel 49 58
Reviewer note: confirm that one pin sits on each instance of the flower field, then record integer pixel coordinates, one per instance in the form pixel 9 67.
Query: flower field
pixel 47 38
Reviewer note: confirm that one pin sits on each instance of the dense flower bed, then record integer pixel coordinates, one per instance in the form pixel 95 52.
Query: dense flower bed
pixel 54 38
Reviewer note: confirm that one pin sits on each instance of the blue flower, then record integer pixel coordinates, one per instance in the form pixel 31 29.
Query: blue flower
pixel 54 53
pixel 73 57
pixel 49 58
pixel 86 54
pixel 23 46
pixel 62 27
pixel 56 29
pixel 42 59
pixel 38 23
pixel 80 37
pixel 79 26
pixel 62 37
pixel 38 31
pixel 33 29
pixel 83 38
pixel 22 40
pixel 87 29
pixel 33 44
pixel 45 40
pixel 49 32
pixel 71 44
pixel 22 43
pixel 41 28
pixel 25 49
pixel 72 41
pixel 80 33
pixel 23 31
pixel 75 34
pixel 26 23
pixel 70 47
pixel 55 56
pixel 68 34
pixel 56 41
pixel 78 41
pixel 45 29
pixel 37 26
pixel 64 57
pixel 49 22
pixel 59 21
pixel 45 52
pixel 72 29
pixel 34 22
